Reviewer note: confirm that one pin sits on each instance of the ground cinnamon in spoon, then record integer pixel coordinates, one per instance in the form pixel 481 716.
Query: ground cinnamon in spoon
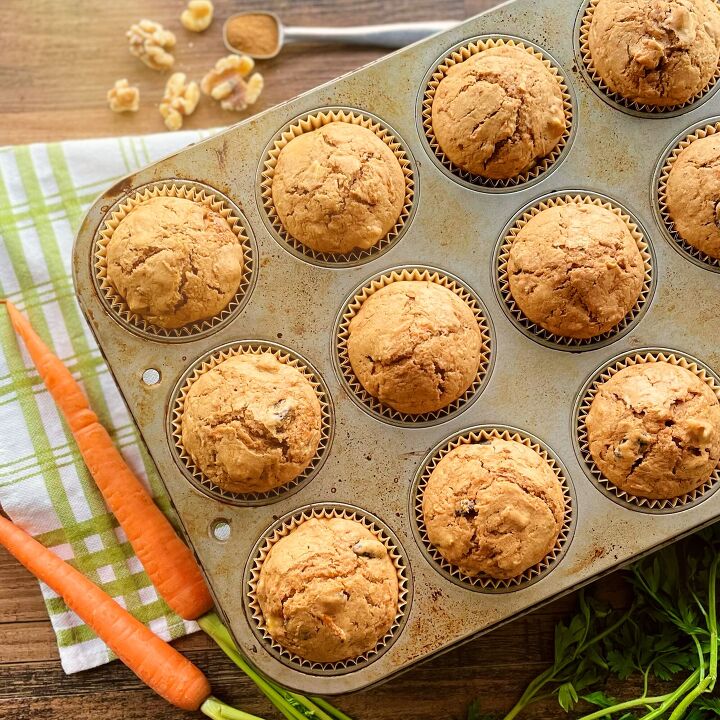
pixel 255 34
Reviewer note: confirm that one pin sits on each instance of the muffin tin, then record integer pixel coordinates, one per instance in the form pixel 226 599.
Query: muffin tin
pixel 371 462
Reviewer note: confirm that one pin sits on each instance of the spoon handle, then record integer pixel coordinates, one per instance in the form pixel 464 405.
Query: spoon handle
pixel 393 35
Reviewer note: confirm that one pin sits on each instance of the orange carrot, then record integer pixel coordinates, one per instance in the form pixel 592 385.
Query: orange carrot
pixel 156 663
pixel 166 559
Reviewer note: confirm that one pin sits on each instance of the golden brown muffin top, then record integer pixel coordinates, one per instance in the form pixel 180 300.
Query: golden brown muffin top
pixel 693 194
pixel 338 188
pixel 415 346
pixel 655 52
pixel 498 112
pixel 174 261
pixel 654 430
pixel 251 423
pixel 575 270
pixel 328 591
pixel 494 508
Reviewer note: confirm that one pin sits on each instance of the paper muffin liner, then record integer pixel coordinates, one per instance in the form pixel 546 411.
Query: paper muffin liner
pixel 199 193
pixel 213 359
pixel 462 53
pixel 582 445
pixel 314 121
pixel 283 527
pixel 660 194
pixel 535 331
pixel 582 43
pixel 484 583
pixel 342 359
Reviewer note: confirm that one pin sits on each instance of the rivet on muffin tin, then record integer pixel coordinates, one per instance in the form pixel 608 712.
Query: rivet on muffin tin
pixel 190 190
pixel 283 527
pixel 459 53
pixel 587 68
pixel 484 583
pixel 312 121
pixel 211 360
pixel 354 387
pixel 659 192
pixel 580 436
pixel 502 284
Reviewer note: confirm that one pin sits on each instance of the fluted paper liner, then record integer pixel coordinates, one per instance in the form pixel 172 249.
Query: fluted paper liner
pixel 502 281
pixel 213 359
pixel 484 583
pixel 116 304
pixel 582 445
pixel 342 333
pixel 583 32
pixel 463 53
pixel 666 165
pixel 283 528
pixel 314 121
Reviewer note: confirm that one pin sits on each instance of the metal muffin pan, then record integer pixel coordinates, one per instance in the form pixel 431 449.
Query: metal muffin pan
pixel 371 464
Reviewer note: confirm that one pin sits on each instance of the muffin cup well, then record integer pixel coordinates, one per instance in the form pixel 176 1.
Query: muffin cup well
pixel 662 173
pixel 483 583
pixel 199 193
pixel 354 387
pixel 212 359
pixel 587 66
pixel 502 282
pixel 582 445
pixel 283 527
pixel 459 54
pixel 308 123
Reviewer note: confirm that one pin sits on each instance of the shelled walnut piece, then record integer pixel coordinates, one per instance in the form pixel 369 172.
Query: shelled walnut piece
pixel 197 16
pixel 123 97
pixel 180 99
pixel 150 42
pixel 229 83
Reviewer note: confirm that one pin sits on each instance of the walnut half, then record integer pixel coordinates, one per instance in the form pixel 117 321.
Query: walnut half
pixel 180 99
pixel 197 16
pixel 228 82
pixel 123 97
pixel 150 42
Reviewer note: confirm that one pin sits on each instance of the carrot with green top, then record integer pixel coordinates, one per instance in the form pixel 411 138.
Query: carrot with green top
pixel 167 560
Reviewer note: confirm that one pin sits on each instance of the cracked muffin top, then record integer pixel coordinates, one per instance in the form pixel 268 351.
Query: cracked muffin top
pixel 174 261
pixel 493 508
pixel 338 188
pixel 499 112
pixel 693 194
pixel 328 590
pixel 251 423
pixel 415 346
pixel 575 270
pixel 655 52
pixel 654 430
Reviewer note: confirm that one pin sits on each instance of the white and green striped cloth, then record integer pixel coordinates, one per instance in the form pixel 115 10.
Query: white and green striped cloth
pixel 44 485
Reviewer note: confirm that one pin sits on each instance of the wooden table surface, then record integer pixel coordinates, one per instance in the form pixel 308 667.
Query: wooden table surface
pixel 57 60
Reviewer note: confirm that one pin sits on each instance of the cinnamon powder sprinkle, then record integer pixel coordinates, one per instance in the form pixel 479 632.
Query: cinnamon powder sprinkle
pixel 255 34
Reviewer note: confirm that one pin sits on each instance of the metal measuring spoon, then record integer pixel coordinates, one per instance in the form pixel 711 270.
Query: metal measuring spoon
pixel 394 35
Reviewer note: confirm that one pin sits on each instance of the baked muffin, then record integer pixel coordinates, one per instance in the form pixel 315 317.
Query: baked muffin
pixel 174 261
pixel 328 591
pixel 693 194
pixel 251 423
pixel 499 112
pixel 415 346
pixel 493 508
pixel 655 52
pixel 654 430
pixel 575 270
pixel 338 188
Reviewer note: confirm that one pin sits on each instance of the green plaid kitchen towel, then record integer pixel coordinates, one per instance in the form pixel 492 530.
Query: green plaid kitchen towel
pixel 44 485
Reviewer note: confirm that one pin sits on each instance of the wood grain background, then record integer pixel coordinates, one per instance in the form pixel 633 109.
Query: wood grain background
pixel 57 60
